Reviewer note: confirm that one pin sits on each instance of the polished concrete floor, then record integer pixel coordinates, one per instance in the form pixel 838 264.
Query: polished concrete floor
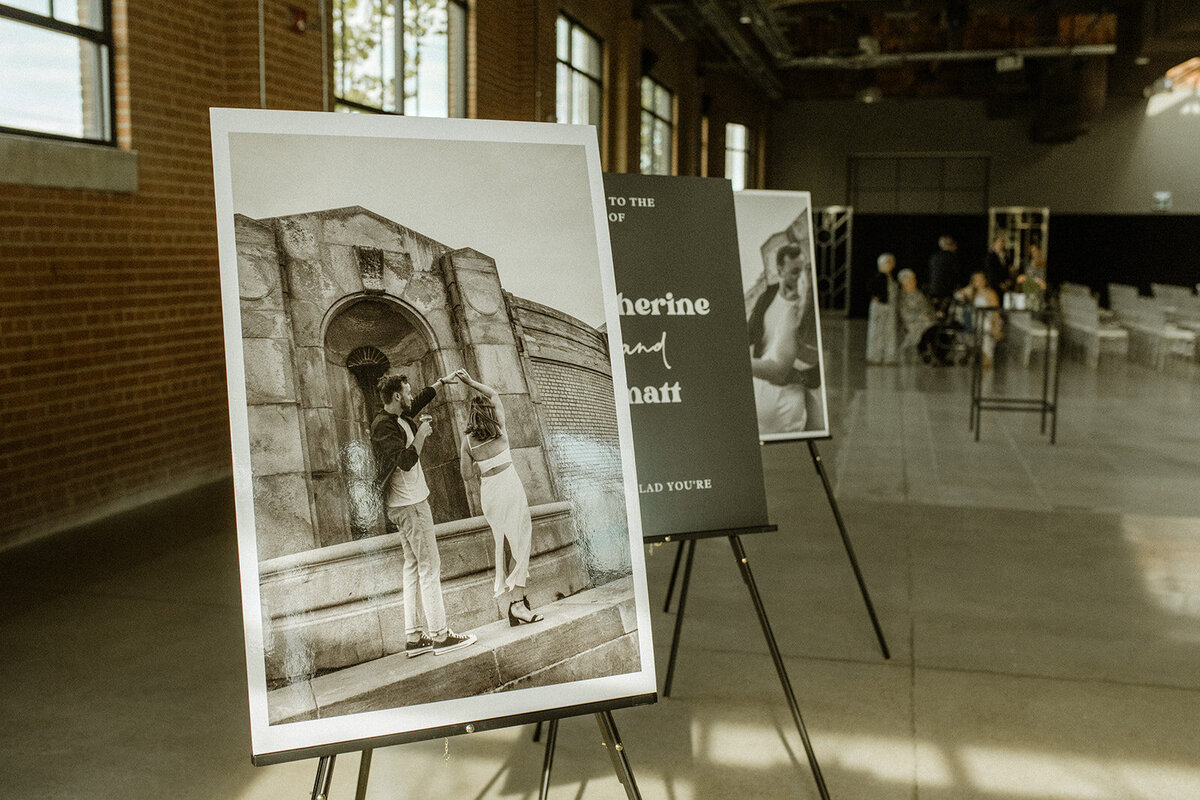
pixel 1042 604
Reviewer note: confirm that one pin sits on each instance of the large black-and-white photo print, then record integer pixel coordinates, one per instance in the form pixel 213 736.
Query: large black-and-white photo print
pixel 437 508
pixel 779 278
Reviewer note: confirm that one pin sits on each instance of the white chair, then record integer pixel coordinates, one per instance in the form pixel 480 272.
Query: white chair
pixel 1085 335
pixel 1152 339
pixel 1027 335
pixel 1182 307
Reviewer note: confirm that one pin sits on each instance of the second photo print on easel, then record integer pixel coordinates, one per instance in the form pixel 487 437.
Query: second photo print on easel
pixel 779 278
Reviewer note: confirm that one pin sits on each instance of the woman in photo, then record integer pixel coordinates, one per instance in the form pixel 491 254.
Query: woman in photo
pixel 502 495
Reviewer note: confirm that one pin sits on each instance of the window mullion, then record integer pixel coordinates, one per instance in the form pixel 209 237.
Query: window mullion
pixel 579 85
pixel 400 89
pixel 103 37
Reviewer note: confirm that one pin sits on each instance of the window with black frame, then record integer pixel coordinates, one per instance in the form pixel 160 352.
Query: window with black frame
pixel 580 76
pixel 737 156
pixel 658 128
pixel 424 42
pixel 56 62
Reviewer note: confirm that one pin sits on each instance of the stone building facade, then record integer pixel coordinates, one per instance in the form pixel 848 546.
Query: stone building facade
pixel 330 301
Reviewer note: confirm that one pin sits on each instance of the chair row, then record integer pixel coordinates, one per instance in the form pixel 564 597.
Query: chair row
pixel 1160 327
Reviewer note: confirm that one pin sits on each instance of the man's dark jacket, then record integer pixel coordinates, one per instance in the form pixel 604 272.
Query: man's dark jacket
pixel 390 444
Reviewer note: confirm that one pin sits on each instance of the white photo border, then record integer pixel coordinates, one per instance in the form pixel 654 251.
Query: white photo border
pixel 289 741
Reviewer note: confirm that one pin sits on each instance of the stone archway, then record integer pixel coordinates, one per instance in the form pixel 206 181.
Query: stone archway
pixel 366 338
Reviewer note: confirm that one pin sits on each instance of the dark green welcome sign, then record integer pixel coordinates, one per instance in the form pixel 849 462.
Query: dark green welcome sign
pixel 683 322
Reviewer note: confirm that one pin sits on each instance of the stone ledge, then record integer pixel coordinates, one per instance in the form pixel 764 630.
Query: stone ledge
pixel 347 551
pixel 34 161
pixel 583 636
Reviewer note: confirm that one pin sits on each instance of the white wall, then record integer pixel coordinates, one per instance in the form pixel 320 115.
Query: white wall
pixel 1115 168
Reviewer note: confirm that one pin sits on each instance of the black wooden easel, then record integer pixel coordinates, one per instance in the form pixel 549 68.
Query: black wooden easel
pixel 688 540
pixel 612 742
pixel 325 776
pixel 837 515
pixel 819 465
pixel 611 739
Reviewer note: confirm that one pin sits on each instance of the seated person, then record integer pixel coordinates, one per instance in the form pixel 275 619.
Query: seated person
pixel 1033 280
pixel 979 296
pixel 917 317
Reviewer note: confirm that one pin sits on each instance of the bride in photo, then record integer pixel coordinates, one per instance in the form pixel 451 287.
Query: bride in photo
pixel 502 495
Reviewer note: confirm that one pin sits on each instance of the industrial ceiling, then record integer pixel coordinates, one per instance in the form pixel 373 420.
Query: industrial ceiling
pixel 1058 60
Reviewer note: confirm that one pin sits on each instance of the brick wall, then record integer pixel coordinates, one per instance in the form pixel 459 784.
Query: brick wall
pixel 675 67
pixel 111 354
pixel 568 364
pixel 571 372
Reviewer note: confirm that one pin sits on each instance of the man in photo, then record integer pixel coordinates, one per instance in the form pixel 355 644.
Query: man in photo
pixel 398 436
pixel 784 358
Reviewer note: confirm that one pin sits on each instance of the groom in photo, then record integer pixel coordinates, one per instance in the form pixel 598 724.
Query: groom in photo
pixel 785 360
pixel 398 436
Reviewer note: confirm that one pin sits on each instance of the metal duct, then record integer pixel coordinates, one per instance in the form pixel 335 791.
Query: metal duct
pixel 894 59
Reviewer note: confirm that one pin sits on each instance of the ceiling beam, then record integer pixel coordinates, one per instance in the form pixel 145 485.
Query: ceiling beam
pixel 727 29
pixel 767 28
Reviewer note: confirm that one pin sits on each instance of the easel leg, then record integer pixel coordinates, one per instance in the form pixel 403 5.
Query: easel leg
pixel 324 778
pixel 683 592
pixel 616 751
pixel 548 762
pixel 739 553
pixel 537 732
pixel 1054 393
pixel 837 515
pixel 674 574
pixel 1045 383
pixel 975 390
pixel 364 775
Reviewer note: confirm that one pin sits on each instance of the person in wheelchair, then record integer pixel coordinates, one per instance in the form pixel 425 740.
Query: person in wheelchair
pixel 917 317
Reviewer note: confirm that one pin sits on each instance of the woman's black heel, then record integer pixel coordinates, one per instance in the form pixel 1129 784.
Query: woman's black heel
pixel 514 620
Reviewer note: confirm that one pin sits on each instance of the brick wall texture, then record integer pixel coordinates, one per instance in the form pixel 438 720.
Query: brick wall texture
pixel 112 375
pixel 578 408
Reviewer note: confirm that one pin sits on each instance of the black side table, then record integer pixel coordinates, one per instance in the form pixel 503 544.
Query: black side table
pixel 1047 404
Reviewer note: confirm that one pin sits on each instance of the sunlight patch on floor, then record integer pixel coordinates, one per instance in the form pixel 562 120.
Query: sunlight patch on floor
pixel 1164 550
pixel 1017 773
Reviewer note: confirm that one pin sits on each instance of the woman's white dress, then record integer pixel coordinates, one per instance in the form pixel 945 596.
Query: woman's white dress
pixel 506 508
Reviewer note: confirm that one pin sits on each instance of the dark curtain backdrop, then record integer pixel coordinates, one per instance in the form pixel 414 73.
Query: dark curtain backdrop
pixel 1084 248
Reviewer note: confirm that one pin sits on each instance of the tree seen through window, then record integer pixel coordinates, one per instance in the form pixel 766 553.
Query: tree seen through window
pixel 424 41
